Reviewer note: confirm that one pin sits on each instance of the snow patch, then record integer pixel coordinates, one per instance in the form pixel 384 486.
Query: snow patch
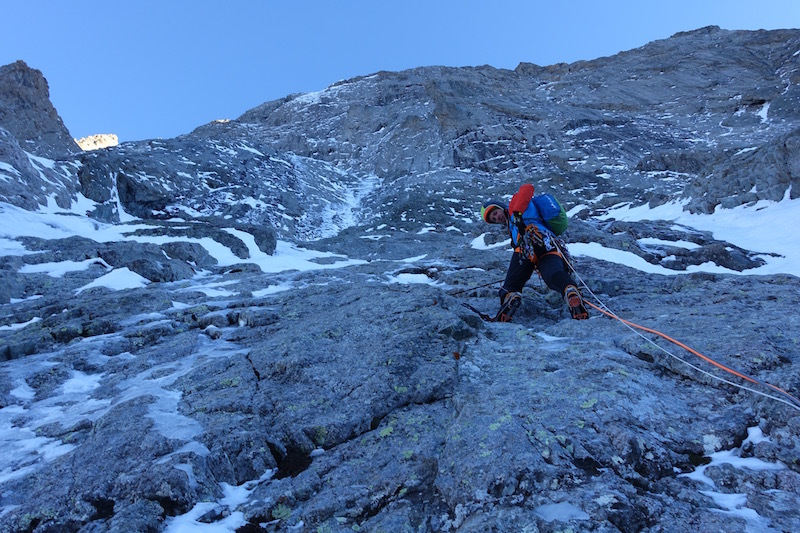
pixel 117 280
pixel 406 279
pixel 742 226
pixel 20 325
pixel 273 289
pixel 763 112
pixel 735 504
pixel 234 497
pixel 59 268
pixel 479 243
pixel 661 242
pixel 52 222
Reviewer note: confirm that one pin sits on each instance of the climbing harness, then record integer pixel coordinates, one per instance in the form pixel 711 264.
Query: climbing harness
pixel 785 397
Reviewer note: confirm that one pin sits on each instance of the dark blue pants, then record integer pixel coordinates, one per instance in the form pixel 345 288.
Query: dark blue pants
pixel 551 267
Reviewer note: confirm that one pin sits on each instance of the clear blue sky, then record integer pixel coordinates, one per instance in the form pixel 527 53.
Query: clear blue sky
pixel 159 68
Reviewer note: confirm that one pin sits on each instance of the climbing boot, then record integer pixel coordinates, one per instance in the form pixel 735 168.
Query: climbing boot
pixel 511 303
pixel 573 298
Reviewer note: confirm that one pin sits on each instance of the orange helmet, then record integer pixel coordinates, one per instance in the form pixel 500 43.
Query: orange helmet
pixel 490 206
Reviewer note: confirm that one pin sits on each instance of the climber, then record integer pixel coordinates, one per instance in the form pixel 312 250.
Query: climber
pixel 533 223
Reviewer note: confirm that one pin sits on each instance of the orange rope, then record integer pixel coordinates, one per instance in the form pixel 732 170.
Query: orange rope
pixel 793 402
pixel 695 352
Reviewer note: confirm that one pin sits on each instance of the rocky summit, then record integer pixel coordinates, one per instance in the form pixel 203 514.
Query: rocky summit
pixel 258 325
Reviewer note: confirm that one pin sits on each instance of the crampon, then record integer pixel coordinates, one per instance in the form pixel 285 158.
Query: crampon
pixel 575 303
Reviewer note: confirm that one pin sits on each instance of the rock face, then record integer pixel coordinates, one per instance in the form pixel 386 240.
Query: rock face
pixel 36 149
pixel 258 325
pixel 26 112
